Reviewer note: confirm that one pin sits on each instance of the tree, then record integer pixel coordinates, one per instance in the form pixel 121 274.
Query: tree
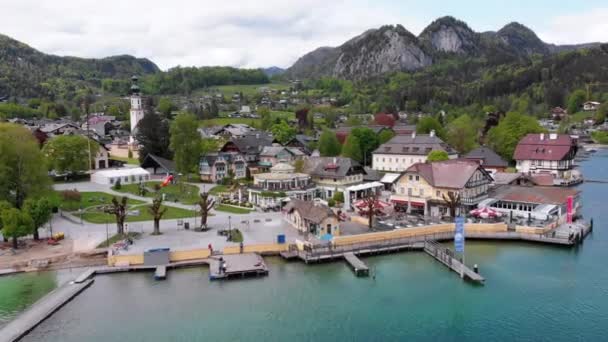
pixel 17 223
pixel 428 124
pixel 283 132
pixel 4 205
pixel 209 145
pixel 461 134
pixel 600 114
pixel 352 148
pixel 165 107
pixel 23 172
pixel 329 146
pixel 40 211
pixel 153 136
pixel 436 156
pixel 576 100
pixel 69 153
pixel 370 202
pixel 157 211
pixel 504 137
pixel 368 141
pixel 385 135
pixel 452 200
pixel 119 210
pixel 266 117
pixel 205 204
pixel 299 165
pixel 339 196
pixel 186 143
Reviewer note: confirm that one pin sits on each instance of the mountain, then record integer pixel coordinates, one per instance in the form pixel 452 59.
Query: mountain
pixel 393 48
pixel 25 70
pixel 272 71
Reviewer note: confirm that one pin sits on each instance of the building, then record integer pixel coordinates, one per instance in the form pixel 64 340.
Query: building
pixel 124 176
pixel 250 146
pixel 101 159
pixel 343 131
pixel 548 153
pixel 136 113
pixel 60 128
pixel 155 164
pixel 281 183
pixel 424 187
pixel 214 167
pixel 311 217
pixel 274 154
pixel 558 113
pixel 591 106
pixel 488 159
pixel 303 143
pixel 403 151
pixel 535 202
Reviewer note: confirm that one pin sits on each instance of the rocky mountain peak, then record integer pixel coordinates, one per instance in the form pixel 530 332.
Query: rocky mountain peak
pixel 448 34
pixel 522 38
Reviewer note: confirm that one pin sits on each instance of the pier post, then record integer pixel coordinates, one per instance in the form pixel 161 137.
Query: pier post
pixel 476 269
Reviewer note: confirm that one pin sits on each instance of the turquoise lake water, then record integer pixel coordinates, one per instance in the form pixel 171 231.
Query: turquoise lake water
pixel 532 293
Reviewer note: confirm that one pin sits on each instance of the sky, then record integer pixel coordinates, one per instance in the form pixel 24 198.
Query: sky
pixel 247 33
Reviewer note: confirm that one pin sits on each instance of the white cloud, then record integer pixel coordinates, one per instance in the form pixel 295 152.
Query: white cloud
pixel 189 32
pixel 584 27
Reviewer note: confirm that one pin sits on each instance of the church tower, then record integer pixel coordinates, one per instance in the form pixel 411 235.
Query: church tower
pixel 137 108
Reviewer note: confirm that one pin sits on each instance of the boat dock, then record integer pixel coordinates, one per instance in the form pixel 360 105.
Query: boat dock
pixel 360 268
pixel 41 310
pixel 446 256
pixel 160 273
pixel 237 266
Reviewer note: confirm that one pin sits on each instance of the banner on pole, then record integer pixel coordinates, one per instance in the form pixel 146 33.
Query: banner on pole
pixel 459 234
pixel 569 209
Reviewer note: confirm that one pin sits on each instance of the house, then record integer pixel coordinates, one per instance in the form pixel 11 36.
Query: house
pixel 311 217
pixel 343 131
pixel 155 163
pixel 401 129
pixel 534 202
pixel 303 143
pixel 403 151
pixel 424 187
pixel 214 167
pixel 274 154
pixel 548 153
pixel 522 179
pixel 101 160
pixel 558 113
pixel 54 129
pixel 281 183
pixel 249 145
pixel 591 106
pixel 100 124
pixel 488 159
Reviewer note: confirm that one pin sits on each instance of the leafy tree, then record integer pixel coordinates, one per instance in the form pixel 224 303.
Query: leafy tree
pixel 17 223
pixel 352 148
pixel 40 211
pixel 368 141
pixel 186 143
pixel 461 134
pixel 153 136
pixel 329 146
pixel 283 132
pixel 266 118
pixel 428 124
pixel 353 121
pixel 299 165
pixel 165 107
pixel 453 202
pixel 205 204
pixel 504 138
pixel 576 100
pixel 600 114
pixel 385 135
pixel 157 211
pixel 22 166
pixel 437 155
pixel 339 196
pixel 209 145
pixel 4 205
pixel 119 210
pixel 69 153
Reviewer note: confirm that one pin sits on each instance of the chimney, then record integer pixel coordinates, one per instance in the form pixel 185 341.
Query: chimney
pixel 432 133
pixel 413 134
pixel 542 136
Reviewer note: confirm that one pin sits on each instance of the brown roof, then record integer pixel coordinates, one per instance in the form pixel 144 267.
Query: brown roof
pixel 487 156
pixel 534 194
pixel 451 174
pixel 545 147
pixel 309 210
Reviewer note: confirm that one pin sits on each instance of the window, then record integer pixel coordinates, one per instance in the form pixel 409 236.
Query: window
pixel 417 178
pixel 410 177
pixel 401 190
pixel 409 191
pixel 438 194
pixel 383 160
pixel 421 192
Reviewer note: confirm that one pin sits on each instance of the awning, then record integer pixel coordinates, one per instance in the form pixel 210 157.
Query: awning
pixel 365 186
pixel 390 178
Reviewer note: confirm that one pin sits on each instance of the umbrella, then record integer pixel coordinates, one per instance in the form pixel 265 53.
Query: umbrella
pixel 485 212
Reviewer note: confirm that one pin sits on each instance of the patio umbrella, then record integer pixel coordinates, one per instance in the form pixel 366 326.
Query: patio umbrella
pixel 485 212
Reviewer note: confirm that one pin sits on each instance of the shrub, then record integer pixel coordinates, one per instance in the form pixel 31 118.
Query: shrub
pixel 117 185
pixel 331 202
pixel 71 195
pixel 339 196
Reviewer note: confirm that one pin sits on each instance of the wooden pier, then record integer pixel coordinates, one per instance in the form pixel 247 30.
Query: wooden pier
pixel 237 266
pixel 358 266
pixel 446 257
pixel 160 273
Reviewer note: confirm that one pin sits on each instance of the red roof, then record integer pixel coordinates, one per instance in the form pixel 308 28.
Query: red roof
pixel 535 194
pixel 545 147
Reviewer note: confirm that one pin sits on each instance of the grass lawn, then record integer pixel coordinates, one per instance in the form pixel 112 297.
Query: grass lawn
pixel 247 89
pixel 87 199
pixel 219 188
pixel 230 209
pixel 133 161
pixel 225 121
pixel 184 193
pixel 116 237
pixel 96 216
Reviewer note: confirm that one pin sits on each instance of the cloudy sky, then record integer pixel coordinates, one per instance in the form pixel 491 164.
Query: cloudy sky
pixel 246 33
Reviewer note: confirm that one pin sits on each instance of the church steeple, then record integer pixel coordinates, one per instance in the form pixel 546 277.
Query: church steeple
pixel 137 110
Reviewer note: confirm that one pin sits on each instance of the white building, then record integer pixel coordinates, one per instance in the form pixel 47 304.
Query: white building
pixel 137 109
pixel 125 176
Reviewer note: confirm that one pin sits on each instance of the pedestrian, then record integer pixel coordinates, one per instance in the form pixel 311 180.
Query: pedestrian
pixel 221 265
pixel 210 248
pixel 241 246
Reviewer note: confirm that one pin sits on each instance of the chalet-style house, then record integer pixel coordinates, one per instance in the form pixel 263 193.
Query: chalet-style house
pixel 426 188
pixel 311 217
pixel 250 146
pixel 403 151
pixel 591 106
pixel 281 183
pixel 214 167
pixel 274 154
pixel 550 154
pixel 302 142
pixel 558 113
pixel 488 159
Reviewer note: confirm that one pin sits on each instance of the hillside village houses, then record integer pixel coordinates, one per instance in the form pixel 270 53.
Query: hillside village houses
pixel 403 151
pixel 591 106
pixel 276 153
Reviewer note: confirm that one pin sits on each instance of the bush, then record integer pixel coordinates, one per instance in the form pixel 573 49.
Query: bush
pixel 339 196
pixel 71 195
pixel 117 185
pixel 331 202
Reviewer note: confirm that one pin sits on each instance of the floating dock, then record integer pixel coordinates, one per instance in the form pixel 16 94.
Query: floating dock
pixel 444 256
pixel 237 266
pixel 358 266
pixel 160 273
pixel 41 310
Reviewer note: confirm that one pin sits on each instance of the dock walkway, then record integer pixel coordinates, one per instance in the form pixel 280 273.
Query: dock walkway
pixel 358 266
pixel 237 265
pixel 41 310
pixel 160 273
pixel 444 255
